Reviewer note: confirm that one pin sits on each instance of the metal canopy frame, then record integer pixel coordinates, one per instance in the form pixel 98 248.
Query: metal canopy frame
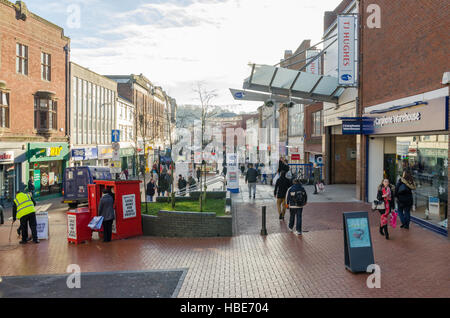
pixel 321 88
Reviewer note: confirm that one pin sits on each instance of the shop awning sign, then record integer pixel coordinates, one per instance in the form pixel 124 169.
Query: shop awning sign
pixel 7 156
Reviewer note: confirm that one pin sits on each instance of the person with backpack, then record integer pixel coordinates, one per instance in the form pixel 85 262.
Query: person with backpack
pixel 281 187
pixel 403 193
pixel 296 199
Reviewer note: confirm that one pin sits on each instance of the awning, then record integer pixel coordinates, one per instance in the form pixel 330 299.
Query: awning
pixel 283 81
pixel 245 95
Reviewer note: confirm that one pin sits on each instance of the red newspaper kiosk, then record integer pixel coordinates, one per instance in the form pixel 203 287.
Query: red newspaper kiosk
pixel 77 225
pixel 127 204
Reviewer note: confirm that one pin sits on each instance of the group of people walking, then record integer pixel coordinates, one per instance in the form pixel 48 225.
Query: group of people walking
pixel 388 195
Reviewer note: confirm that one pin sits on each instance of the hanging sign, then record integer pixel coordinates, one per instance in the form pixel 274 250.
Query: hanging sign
pixel 346 50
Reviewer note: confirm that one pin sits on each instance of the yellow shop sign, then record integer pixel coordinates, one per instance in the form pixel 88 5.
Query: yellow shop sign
pixel 54 151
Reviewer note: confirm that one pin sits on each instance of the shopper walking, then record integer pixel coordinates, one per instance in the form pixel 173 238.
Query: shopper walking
pixel 385 195
pixel 403 193
pixel 281 187
pixel 192 183
pixel 250 178
pixel 31 186
pixel 24 210
pixel 316 175
pixel 199 174
pixel 296 199
pixel 163 185
pixel 106 209
pixel 182 185
pixel 150 190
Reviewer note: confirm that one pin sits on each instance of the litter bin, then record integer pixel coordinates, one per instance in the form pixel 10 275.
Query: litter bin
pixel 77 225
pixel 127 205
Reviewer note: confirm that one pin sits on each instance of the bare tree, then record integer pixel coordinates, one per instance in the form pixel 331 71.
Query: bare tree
pixel 205 97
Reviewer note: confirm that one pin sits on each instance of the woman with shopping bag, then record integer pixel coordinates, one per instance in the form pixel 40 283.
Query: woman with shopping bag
pixel 106 210
pixel 385 197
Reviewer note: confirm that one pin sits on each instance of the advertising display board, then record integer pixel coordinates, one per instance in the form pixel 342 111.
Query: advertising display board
pixel 232 173
pixel 357 241
pixel 42 225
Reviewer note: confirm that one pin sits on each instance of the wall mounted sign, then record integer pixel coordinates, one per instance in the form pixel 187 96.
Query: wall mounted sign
pixel 6 156
pixel 357 241
pixel 432 116
pixel 346 50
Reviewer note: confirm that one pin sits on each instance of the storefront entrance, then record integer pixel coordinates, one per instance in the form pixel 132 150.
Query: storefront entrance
pixel 426 156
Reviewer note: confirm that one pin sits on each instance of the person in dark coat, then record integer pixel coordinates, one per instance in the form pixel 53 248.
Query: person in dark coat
pixel 182 185
pixel 31 186
pixel 403 194
pixel 163 184
pixel 106 209
pixel 281 187
pixel 385 194
pixel 251 177
pixel 282 165
pixel 150 192
pixel 316 175
pixel 199 174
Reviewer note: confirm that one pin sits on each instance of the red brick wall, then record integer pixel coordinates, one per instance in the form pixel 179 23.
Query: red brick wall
pixel 409 53
pixel 312 144
pixel 39 37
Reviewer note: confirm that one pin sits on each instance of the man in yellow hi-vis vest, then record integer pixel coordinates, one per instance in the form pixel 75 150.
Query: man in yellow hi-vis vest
pixel 24 210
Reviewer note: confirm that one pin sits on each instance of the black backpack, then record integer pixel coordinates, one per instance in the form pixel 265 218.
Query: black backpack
pixel 300 198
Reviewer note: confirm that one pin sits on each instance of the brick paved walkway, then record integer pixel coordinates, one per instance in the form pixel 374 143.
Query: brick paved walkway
pixel 413 263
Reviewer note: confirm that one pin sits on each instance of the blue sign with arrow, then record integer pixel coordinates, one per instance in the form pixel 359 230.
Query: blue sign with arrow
pixel 115 135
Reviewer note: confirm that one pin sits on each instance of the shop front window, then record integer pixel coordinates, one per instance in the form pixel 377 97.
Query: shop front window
pixel 47 177
pixel 427 158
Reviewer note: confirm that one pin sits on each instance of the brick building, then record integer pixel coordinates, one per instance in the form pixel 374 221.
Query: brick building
pixel 401 87
pixel 34 57
pixel 339 151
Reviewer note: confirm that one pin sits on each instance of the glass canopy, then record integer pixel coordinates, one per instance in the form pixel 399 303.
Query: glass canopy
pixel 283 81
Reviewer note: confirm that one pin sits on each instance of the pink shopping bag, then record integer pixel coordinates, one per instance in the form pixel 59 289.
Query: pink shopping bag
pixel 393 219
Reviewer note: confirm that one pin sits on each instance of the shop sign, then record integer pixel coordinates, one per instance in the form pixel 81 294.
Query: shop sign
pixel 129 206
pixel 7 156
pixel 54 151
pixel 426 116
pixel 295 156
pixel 346 50
pixel 357 126
pixel 105 152
pixel 84 153
pixel 314 67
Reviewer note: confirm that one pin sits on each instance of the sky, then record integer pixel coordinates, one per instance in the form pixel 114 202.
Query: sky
pixel 179 43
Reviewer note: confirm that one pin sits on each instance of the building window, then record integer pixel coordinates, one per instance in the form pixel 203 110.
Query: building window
pixel 45 114
pixel 316 124
pixel 46 66
pixel 22 59
pixel 4 109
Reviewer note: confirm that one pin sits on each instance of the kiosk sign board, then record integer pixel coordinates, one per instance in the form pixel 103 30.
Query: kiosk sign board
pixel 232 173
pixel 357 241
pixel 129 206
pixel 71 226
pixel 42 225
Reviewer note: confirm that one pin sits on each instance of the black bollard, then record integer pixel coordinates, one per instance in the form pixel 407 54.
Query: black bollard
pixel 263 230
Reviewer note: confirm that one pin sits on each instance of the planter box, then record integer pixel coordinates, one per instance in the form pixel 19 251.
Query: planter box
pixel 209 194
pixel 186 224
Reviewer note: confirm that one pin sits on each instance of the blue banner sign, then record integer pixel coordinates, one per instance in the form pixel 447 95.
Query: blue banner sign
pixel 357 125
